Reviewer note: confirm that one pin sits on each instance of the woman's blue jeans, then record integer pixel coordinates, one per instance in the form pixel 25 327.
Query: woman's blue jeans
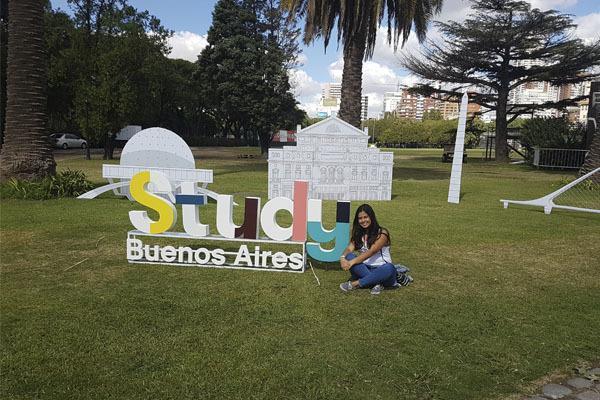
pixel 369 276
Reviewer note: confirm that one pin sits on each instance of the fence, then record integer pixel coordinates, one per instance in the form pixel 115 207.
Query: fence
pixel 558 158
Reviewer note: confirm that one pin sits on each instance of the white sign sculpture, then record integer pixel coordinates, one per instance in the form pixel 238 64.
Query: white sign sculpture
pixel 336 160
pixel 157 171
pixel 459 147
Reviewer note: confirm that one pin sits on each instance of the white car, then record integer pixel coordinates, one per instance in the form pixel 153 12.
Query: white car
pixel 68 140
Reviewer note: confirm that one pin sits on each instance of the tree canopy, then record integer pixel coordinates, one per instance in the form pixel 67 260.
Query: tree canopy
pixel 405 132
pixel 501 46
pixel 108 67
pixel 241 73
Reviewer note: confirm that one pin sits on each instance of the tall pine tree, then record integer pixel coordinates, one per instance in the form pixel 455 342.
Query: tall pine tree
pixel 242 74
pixel 503 45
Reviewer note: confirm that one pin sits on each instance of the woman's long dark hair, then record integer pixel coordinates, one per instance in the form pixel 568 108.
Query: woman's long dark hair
pixel 373 231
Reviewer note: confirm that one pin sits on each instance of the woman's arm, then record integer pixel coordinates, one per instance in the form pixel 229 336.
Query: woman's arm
pixel 349 249
pixel 381 241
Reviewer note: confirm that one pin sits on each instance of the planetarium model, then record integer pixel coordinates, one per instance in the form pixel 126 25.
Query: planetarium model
pixel 334 157
pixel 153 149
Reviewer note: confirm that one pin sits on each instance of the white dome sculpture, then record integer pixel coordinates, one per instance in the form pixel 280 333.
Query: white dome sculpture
pixel 157 148
pixel 154 149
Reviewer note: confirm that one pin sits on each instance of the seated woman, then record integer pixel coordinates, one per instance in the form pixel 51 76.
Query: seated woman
pixel 372 267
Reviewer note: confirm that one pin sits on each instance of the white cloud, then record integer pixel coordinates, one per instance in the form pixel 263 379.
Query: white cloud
pixel 378 78
pixel 587 27
pixel 303 85
pixel 552 4
pixel 187 45
pixel 310 105
pixel 384 53
pixel 409 80
pixel 306 90
pixel 302 59
pixel 335 70
pixel 454 10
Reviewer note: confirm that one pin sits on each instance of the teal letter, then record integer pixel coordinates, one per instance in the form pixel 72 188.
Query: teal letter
pixel 340 234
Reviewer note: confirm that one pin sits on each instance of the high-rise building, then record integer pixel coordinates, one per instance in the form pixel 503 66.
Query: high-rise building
pixel 329 105
pixel 572 90
pixel 576 113
pixel 364 108
pixel 542 92
pixel 414 105
pixel 331 91
pixel 449 110
pixel 534 92
pixel 390 101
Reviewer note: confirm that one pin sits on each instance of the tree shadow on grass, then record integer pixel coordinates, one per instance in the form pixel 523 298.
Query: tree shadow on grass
pixel 320 265
pixel 241 167
pixel 419 174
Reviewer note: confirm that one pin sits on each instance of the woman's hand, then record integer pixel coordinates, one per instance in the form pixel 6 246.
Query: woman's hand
pixel 345 264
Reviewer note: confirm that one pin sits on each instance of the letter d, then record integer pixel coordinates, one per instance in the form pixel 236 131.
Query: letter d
pixel 300 207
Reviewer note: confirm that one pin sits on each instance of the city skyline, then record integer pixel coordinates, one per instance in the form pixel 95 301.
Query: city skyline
pixel 191 20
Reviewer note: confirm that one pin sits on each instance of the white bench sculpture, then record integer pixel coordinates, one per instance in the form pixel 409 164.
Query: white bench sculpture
pixel 589 192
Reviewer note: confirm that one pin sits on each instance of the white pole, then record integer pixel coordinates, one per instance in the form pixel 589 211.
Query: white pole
pixel 459 146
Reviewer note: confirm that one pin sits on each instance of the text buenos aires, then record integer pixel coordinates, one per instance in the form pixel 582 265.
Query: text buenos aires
pixel 138 251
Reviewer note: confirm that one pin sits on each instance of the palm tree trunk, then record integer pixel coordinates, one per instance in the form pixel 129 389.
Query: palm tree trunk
pixel 26 153
pixel 3 51
pixel 592 159
pixel 350 105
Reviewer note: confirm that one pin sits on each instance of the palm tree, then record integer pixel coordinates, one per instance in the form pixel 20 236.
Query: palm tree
pixel 26 152
pixel 592 159
pixel 357 22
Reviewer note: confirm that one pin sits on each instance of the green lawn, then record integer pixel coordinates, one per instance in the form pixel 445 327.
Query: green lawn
pixel 501 298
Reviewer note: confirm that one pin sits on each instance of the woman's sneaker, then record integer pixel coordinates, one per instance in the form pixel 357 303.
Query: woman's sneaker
pixel 377 289
pixel 346 286
pixel 405 280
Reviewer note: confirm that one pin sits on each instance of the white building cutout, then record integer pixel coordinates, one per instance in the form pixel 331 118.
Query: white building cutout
pixel 336 160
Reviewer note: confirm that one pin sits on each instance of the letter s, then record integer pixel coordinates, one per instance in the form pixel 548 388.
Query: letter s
pixel 165 209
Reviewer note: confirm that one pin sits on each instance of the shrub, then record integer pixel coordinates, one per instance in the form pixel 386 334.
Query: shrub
pixel 402 132
pixel 66 183
pixel 552 133
pixel 555 133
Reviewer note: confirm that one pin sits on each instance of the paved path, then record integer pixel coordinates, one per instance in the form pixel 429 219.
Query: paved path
pixel 583 386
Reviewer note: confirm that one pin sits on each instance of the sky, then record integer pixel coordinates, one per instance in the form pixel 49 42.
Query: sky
pixel 191 19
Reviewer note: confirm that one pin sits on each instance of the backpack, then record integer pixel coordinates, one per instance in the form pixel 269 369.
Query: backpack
pixel 402 276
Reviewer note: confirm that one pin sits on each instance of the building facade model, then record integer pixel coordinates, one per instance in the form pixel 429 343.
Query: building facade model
pixel 336 160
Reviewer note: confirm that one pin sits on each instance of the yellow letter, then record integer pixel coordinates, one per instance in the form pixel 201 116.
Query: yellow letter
pixel 166 210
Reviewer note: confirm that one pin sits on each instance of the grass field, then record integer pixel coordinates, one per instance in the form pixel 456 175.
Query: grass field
pixel 501 298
